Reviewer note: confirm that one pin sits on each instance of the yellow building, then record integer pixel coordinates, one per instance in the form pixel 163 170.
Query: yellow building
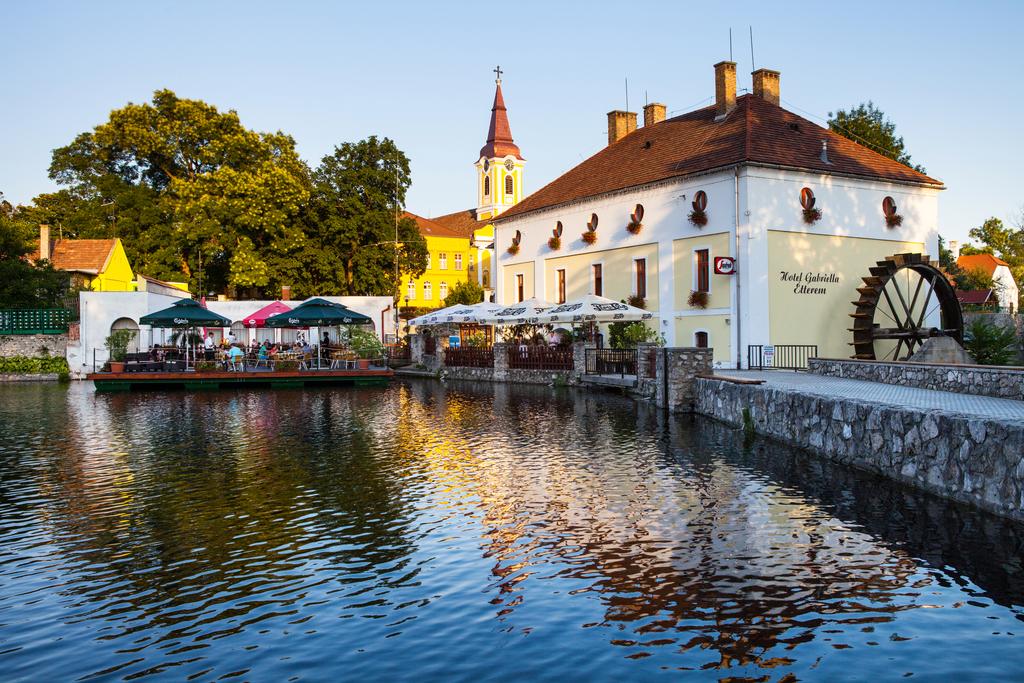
pixel 499 187
pixel 99 265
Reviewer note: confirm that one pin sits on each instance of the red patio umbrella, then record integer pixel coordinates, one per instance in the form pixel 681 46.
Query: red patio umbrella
pixel 259 318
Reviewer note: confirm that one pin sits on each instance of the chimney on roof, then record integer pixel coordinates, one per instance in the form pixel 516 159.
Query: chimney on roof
pixel 620 124
pixel 44 241
pixel 766 85
pixel 954 249
pixel 286 292
pixel 725 88
pixel 654 113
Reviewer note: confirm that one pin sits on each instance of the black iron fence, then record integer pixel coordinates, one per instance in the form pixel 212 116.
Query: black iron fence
pixel 780 356
pixel 469 357
pixel 553 359
pixel 620 362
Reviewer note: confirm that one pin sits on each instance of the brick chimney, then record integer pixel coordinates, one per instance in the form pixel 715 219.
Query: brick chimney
pixel 44 241
pixel 286 292
pixel 620 124
pixel 653 113
pixel 766 85
pixel 725 88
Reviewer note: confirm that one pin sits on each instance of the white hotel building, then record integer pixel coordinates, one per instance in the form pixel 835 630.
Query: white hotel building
pixel 750 164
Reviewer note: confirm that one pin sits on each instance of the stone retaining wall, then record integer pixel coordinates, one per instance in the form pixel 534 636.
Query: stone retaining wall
pixel 981 380
pixel 684 365
pixel 13 377
pixel 33 345
pixel 958 457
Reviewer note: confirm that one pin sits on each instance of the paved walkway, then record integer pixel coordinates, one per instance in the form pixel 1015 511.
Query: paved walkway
pixel 876 392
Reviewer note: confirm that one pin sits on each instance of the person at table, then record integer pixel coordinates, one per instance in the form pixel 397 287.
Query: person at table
pixel 326 340
pixel 208 345
pixel 231 339
pixel 235 358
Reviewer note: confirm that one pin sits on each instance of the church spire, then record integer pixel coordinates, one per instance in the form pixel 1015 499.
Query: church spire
pixel 499 135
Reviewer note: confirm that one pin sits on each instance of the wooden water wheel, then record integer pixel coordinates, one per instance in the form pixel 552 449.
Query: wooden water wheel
pixel 904 301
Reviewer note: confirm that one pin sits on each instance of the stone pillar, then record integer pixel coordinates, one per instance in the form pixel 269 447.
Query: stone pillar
pixel 642 358
pixel 500 350
pixel 579 359
pixel 415 348
pixel 677 371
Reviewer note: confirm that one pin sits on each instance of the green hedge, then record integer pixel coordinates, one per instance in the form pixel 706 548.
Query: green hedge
pixel 20 365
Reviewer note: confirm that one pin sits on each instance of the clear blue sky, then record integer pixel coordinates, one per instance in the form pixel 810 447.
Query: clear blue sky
pixel 948 74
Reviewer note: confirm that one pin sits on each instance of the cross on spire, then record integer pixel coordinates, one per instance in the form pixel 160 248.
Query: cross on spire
pixel 497 70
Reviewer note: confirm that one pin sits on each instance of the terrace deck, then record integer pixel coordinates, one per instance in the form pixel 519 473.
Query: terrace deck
pixel 127 381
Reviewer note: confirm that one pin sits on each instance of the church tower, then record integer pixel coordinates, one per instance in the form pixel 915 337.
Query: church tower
pixel 500 166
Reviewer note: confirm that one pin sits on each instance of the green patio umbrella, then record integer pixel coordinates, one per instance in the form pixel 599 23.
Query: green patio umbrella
pixel 185 313
pixel 318 313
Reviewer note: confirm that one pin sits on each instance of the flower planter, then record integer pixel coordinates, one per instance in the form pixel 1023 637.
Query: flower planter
pixel 590 236
pixel 364 363
pixel 117 366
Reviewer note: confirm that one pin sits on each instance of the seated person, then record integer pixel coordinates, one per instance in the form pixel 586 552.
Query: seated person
pixel 235 358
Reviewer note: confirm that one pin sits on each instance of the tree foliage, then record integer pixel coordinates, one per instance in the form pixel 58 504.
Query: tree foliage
pixel 1005 242
pixel 991 344
pixel 353 215
pixel 867 125
pixel 465 293
pixel 24 284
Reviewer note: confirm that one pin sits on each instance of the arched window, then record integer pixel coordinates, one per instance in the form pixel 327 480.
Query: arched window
pixel 487 186
pixel 442 291
pixel 700 339
pixel 508 184
pixel 427 294
pixel 131 326
pixel 411 290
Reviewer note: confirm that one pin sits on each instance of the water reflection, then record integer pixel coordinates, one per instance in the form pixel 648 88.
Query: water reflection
pixel 443 532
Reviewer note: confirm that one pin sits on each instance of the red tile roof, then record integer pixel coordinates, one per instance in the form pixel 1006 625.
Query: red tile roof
pixel 986 263
pixel 433 228
pixel 83 256
pixel 499 135
pixel 462 222
pixel 974 296
pixel 754 132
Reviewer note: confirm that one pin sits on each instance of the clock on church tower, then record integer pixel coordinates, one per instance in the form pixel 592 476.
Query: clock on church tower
pixel 500 164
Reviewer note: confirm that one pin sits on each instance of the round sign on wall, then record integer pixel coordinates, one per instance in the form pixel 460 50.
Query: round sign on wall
pixel 725 265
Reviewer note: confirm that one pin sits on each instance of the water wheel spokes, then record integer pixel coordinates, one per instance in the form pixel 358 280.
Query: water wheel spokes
pixel 895 313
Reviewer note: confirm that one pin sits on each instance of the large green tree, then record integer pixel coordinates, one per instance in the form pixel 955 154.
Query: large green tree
pixel 24 284
pixel 358 192
pixel 466 293
pixel 866 124
pixel 193 193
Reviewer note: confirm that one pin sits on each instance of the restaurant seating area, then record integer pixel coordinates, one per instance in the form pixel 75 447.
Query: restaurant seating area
pixel 275 358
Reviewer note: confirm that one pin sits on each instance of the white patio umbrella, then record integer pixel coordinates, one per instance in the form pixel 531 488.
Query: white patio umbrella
pixel 522 313
pixel 593 308
pixel 460 313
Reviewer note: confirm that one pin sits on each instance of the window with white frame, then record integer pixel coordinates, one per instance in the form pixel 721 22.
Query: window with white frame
pixel 410 292
pixel 442 261
pixel 427 293
pixel 442 291
pixel 428 260
pixel 458 262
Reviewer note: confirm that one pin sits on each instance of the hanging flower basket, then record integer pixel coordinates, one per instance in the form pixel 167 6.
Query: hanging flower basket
pixel 812 215
pixel 698 299
pixel 513 248
pixel 554 243
pixel 894 221
pixel 590 236
pixel 634 227
pixel 698 217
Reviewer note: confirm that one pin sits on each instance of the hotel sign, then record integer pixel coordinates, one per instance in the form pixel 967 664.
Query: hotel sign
pixel 809 282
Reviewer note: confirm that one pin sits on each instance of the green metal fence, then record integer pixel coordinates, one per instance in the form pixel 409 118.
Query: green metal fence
pixel 34 321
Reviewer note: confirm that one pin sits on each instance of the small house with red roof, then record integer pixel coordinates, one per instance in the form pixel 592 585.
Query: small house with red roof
pixel 996 268
pixel 100 265
pixel 771 217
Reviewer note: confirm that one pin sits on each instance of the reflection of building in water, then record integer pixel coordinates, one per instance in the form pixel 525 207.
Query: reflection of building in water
pixel 701 552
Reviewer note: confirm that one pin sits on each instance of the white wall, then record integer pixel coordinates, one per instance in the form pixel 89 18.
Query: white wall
pixel 1006 289
pixel 768 200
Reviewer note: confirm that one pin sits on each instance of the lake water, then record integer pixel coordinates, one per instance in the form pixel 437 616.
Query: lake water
pixel 439 533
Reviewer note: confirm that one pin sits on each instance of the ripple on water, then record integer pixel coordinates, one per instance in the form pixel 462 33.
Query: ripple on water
pixel 437 533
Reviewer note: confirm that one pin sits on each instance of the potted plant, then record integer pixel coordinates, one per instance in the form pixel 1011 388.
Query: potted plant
pixel 366 345
pixel 698 215
pixel 698 299
pixel 590 235
pixel 206 366
pixel 117 346
pixel 635 226
pixel 892 219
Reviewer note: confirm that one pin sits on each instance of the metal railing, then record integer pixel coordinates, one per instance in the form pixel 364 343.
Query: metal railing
pixel 469 357
pixel 780 356
pixel 34 321
pixel 620 362
pixel 554 359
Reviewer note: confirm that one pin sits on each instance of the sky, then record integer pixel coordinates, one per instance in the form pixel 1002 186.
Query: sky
pixel 948 74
